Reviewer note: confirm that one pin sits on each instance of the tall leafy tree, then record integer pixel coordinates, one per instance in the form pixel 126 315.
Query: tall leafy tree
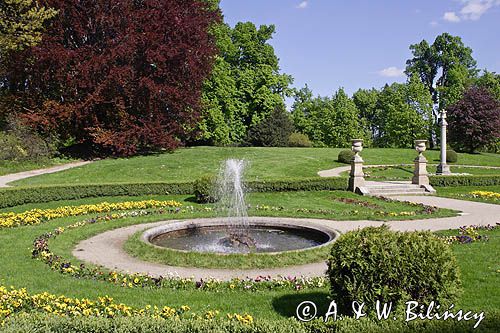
pixel 444 68
pixel 21 24
pixel 246 84
pixel 474 120
pixel 402 112
pixel 121 76
pixel 327 121
pixel 366 102
pixel 490 81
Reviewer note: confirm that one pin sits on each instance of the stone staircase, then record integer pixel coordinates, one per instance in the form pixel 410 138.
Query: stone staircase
pixel 393 188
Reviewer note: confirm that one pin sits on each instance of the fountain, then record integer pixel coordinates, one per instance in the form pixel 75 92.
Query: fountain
pixel 236 232
pixel 231 198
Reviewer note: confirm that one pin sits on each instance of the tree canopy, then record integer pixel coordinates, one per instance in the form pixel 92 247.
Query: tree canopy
pixel 245 86
pixel 474 121
pixel 122 77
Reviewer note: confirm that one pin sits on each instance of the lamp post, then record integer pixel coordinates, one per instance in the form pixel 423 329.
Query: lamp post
pixel 443 168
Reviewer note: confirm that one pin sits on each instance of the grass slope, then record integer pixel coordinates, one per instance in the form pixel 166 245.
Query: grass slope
pixel 265 163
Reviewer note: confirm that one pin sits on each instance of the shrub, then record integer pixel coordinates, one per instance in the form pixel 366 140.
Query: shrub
pixel 204 189
pixel 375 263
pixel 472 180
pixel 345 156
pixel 299 140
pixel 451 156
pixel 19 143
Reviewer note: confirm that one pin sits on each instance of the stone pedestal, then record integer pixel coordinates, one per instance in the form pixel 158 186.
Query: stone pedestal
pixel 420 175
pixel 356 176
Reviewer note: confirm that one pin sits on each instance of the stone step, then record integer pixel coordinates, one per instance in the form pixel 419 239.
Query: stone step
pixel 392 189
pixel 396 187
pixel 389 194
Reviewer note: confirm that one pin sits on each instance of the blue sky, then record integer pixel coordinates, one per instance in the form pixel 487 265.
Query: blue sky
pixel 362 44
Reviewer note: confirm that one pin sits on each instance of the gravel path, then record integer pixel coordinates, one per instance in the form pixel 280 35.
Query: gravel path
pixel 6 179
pixel 106 249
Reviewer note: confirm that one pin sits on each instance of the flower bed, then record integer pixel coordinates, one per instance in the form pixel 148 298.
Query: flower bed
pixel 469 234
pixel 16 301
pixel 42 252
pixel 37 216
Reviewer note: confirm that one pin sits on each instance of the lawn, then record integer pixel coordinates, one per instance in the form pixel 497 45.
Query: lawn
pixel 7 167
pixel 464 193
pixel 264 163
pixel 477 261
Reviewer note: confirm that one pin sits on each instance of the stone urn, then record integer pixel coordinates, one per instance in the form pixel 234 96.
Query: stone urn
pixel 420 146
pixel 357 145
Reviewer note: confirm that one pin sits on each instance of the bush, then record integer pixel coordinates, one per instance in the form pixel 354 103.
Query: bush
pixel 345 156
pixel 19 143
pixel 299 140
pixel 204 189
pixel 451 156
pixel 472 180
pixel 375 263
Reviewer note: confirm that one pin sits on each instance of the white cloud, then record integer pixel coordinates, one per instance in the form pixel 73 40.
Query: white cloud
pixel 302 5
pixel 471 10
pixel 433 23
pixel 391 72
pixel 451 17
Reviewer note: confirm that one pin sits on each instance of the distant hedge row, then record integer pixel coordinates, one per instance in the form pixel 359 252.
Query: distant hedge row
pixel 15 196
pixel 452 181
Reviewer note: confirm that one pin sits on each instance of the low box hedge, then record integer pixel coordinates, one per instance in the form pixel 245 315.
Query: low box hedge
pixel 16 196
pixel 469 180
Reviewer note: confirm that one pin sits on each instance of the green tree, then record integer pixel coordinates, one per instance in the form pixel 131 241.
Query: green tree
pixel 246 84
pixel 21 24
pixel 366 102
pixel 490 81
pixel 445 68
pixel 273 131
pixel 327 121
pixel 402 114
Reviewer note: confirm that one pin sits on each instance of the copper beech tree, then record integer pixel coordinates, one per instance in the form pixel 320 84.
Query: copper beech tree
pixel 120 77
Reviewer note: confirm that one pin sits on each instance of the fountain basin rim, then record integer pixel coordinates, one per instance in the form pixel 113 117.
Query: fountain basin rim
pixel 287 223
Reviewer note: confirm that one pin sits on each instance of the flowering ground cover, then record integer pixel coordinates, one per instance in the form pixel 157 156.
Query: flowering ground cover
pixel 486 194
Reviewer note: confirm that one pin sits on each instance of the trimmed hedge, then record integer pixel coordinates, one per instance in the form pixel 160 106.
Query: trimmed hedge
pixel 476 180
pixel 345 156
pixel 451 156
pixel 16 196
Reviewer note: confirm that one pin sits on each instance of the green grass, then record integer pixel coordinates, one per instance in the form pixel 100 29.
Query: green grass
pixel 265 163
pixel 7 167
pixel 480 271
pixel 18 269
pixel 463 193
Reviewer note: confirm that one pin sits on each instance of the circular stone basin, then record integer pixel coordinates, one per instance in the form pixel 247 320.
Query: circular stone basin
pixel 219 236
